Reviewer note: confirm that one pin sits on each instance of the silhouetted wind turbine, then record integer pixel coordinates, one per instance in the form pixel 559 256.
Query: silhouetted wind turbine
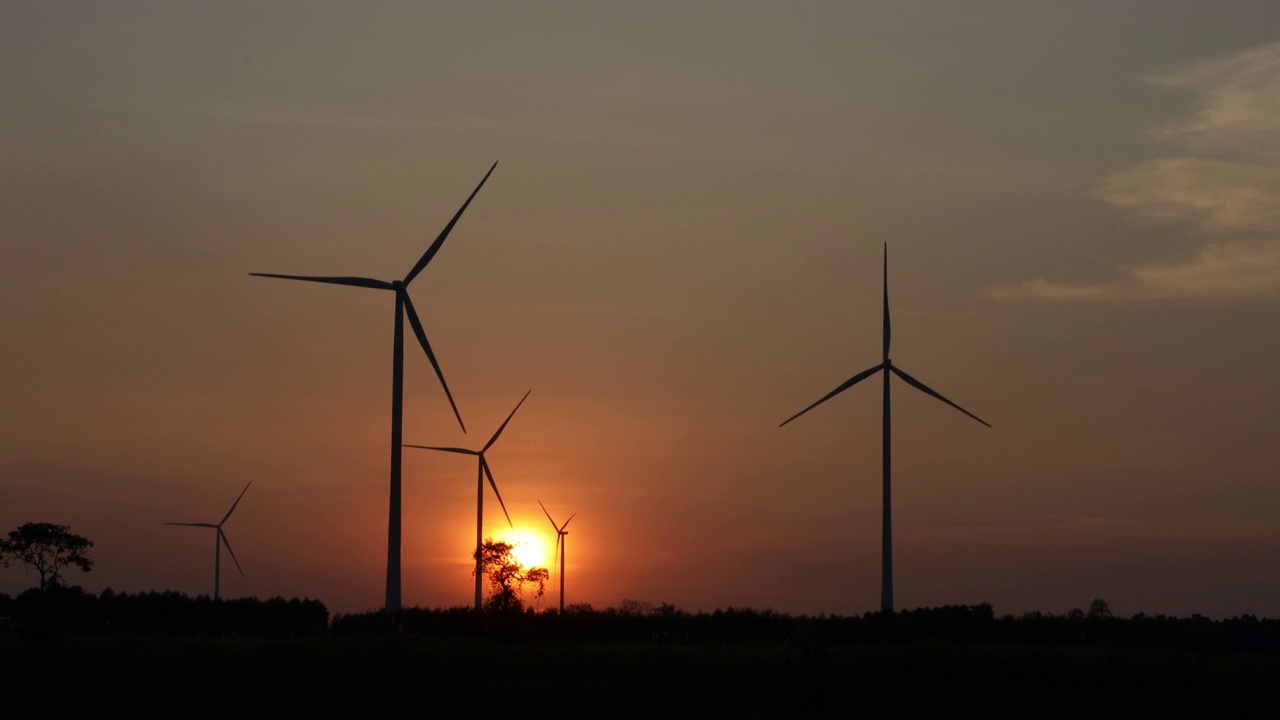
pixel 560 535
pixel 481 472
pixel 220 539
pixel 404 306
pixel 886 557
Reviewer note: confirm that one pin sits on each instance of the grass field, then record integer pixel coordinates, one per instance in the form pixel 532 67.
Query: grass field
pixel 416 676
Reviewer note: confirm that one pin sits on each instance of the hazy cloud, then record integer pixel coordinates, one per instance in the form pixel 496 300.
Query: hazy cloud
pixel 1221 177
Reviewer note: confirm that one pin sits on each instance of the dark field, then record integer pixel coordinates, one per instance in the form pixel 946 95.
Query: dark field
pixel 67 653
pixel 419 676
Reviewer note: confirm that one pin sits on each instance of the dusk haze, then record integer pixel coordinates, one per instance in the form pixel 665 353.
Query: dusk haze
pixel 698 221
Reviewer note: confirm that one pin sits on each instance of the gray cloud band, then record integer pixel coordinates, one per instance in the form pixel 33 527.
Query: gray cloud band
pixel 1220 176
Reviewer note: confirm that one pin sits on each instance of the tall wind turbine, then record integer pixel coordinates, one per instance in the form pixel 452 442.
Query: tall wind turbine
pixel 560 535
pixel 404 306
pixel 886 365
pixel 482 472
pixel 220 539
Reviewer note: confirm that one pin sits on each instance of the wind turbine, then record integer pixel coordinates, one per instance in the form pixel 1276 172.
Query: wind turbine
pixel 482 472
pixel 404 306
pixel 560 535
pixel 220 539
pixel 886 365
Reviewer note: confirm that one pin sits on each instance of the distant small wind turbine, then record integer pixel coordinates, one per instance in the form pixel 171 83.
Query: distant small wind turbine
pixel 886 542
pixel 404 306
pixel 482 472
pixel 560 535
pixel 220 539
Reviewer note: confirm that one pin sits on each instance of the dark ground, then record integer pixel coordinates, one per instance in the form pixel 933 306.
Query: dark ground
pixel 421 676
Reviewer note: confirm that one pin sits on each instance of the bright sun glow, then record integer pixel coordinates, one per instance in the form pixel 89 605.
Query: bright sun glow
pixel 531 550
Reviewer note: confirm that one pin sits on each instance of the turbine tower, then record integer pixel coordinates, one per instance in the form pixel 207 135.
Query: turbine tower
pixel 220 539
pixel 560 535
pixel 887 366
pixel 404 306
pixel 482 472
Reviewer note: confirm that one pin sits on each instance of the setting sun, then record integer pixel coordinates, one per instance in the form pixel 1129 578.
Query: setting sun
pixel 532 549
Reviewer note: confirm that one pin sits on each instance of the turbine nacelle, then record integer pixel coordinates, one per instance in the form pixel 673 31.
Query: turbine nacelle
pixel 561 533
pixel 886 365
pixel 482 473
pixel 220 539
pixel 485 472
pixel 401 289
pixel 404 307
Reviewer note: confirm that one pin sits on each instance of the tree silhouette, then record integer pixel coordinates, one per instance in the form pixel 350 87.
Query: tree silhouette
pixel 1099 609
pixel 507 577
pixel 48 548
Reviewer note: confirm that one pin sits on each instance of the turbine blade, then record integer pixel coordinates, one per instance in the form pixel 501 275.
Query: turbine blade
pixel 460 451
pixel 353 281
pixel 544 511
pixel 435 246
pixel 192 524
pixel 930 391
pixel 416 324
pixel 233 552
pixel 843 386
pixel 503 426
pixel 886 301
pixel 484 464
pixel 234 504
pixel 566 522
pixel 555 559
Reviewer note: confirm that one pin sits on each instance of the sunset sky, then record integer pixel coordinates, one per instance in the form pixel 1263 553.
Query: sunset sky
pixel 679 249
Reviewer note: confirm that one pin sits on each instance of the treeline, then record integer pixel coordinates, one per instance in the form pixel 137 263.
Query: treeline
pixel 641 622
pixel 60 610
pixel 73 611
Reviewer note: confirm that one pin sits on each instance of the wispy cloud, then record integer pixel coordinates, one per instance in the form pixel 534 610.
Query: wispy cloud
pixel 1220 178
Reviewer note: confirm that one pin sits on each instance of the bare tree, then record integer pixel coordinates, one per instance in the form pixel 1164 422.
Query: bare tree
pixel 507 577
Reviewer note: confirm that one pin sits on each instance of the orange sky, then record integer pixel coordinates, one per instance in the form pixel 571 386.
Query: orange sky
pixel 679 249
